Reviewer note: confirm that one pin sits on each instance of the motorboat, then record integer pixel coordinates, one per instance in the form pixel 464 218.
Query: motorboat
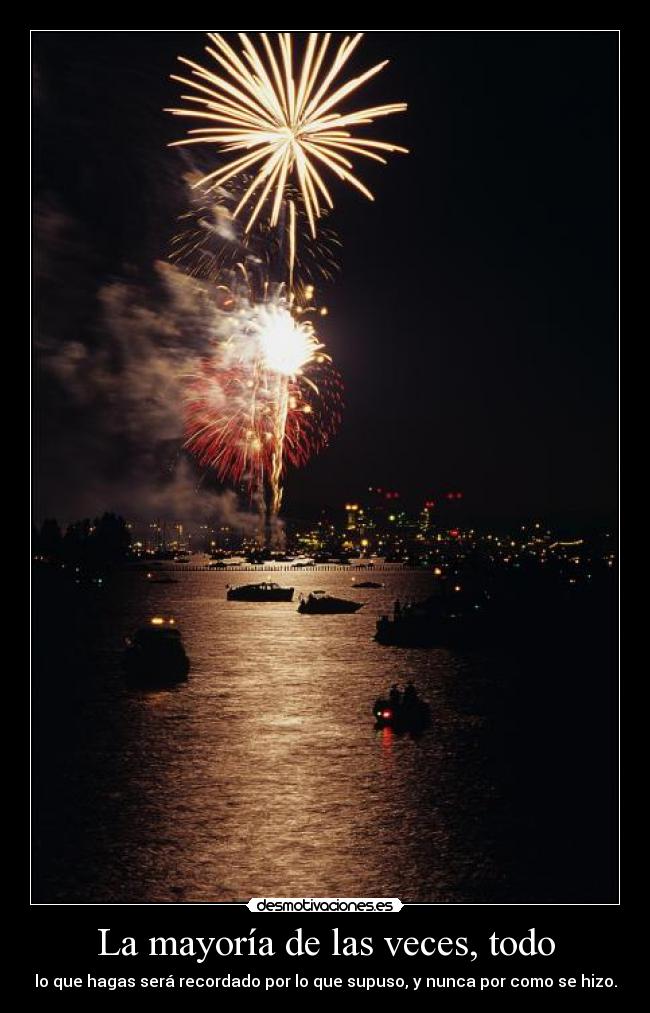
pixel 436 622
pixel 319 603
pixel 408 714
pixel 266 591
pixel 155 656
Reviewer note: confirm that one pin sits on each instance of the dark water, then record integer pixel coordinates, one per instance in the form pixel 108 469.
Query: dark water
pixel 264 774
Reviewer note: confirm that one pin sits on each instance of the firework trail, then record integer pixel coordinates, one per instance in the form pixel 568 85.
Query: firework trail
pixel 210 241
pixel 266 397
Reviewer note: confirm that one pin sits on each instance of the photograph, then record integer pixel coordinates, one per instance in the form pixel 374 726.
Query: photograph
pixel 325 467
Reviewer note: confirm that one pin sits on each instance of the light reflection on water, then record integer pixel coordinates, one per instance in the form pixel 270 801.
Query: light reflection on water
pixel 264 775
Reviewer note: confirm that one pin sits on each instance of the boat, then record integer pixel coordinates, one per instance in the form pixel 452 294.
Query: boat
pixel 366 583
pixel 266 591
pixel 319 603
pixel 412 715
pixel 436 622
pixel 155 656
pixel 230 562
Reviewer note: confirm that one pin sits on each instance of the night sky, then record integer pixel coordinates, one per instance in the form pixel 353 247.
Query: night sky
pixel 474 319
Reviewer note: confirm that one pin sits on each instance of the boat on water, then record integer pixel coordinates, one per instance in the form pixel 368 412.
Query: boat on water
pixel 435 622
pixel 320 603
pixel 266 591
pixel 366 583
pixel 407 714
pixel 155 656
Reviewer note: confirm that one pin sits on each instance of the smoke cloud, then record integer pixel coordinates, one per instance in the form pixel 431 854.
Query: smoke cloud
pixel 110 365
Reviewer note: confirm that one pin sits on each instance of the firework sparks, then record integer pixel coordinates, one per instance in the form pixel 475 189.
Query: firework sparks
pixel 284 114
pixel 210 242
pixel 266 397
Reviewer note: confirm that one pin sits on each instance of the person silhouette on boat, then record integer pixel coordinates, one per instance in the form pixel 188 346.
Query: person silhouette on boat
pixel 411 698
pixel 395 697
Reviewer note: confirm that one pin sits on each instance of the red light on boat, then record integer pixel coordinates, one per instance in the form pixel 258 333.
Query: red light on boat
pixel 386 714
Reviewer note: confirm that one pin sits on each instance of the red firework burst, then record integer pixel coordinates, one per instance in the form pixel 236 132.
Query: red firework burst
pixel 267 397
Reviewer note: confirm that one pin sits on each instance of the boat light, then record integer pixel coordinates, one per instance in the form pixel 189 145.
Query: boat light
pixel 157 621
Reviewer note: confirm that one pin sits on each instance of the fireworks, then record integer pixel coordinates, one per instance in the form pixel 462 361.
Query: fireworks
pixel 284 114
pixel 267 396
pixel 210 241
